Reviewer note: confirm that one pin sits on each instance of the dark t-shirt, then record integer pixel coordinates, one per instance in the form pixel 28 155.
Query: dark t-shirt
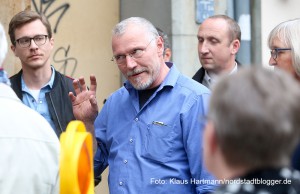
pixel 144 95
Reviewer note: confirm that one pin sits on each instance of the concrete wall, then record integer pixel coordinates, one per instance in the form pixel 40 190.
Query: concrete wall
pixel 272 13
pixel 156 11
pixel 185 43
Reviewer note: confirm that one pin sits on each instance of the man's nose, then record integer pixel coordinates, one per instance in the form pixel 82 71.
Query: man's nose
pixel 131 63
pixel 203 47
pixel 33 44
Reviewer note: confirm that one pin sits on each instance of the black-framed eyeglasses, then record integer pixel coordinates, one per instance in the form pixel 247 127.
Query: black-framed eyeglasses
pixel 25 42
pixel 275 51
pixel 134 54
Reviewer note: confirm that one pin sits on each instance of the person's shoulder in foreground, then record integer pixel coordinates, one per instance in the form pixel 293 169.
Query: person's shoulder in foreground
pixel 29 147
pixel 270 113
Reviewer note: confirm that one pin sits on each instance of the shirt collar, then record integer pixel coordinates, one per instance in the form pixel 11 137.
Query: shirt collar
pixel 50 83
pixel 210 79
pixel 234 69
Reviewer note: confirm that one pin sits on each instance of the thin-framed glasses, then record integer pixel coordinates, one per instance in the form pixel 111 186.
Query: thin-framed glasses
pixel 25 42
pixel 275 51
pixel 134 54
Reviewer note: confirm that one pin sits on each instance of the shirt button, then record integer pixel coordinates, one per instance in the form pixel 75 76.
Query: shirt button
pixel 131 140
pixel 120 183
pixel 136 119
pixel 125 161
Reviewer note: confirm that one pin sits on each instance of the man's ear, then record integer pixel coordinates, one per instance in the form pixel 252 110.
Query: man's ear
pixel 51 40
pixel 235 46
pixel 160 45
pixel 13 49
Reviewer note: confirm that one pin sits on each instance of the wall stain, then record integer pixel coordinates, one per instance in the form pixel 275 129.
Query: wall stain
pixel 67 64
pixel 45 5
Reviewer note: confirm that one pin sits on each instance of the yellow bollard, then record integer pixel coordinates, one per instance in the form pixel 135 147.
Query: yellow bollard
pixel 76 160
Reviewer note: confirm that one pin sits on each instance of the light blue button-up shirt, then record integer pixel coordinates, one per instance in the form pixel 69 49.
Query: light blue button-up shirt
pixel 156 149
pixel 40 105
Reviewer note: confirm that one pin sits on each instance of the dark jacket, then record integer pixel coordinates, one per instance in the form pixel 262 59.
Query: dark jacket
pixel 59 103
pixel 199 76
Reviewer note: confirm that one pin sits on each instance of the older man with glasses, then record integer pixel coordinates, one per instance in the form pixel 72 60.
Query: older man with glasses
pixel 149 132
pixel 38 84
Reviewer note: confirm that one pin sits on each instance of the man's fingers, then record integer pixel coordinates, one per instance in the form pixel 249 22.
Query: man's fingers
pixel 82 84
pixel 72 97
pixel 93 102
pixel 76 86
pixel 93 83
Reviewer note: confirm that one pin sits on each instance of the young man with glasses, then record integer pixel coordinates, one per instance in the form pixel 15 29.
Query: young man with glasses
pixel 149 132
pixel 284 41
pixel 38 84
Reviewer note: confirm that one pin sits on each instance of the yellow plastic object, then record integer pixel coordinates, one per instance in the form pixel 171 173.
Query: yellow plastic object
pixel 76 160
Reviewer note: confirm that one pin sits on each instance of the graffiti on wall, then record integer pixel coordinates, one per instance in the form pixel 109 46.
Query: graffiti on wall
pixel 44 9
pixel 61 55
pixel 70 62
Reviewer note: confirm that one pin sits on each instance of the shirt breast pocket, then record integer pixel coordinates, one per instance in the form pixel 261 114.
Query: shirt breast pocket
pixel 158 144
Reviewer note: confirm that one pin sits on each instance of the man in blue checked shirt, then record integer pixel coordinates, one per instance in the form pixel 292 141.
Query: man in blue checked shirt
pixel 149 132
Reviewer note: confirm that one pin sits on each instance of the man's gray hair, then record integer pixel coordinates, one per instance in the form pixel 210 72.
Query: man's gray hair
pixel 3 45
pixel 121 27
